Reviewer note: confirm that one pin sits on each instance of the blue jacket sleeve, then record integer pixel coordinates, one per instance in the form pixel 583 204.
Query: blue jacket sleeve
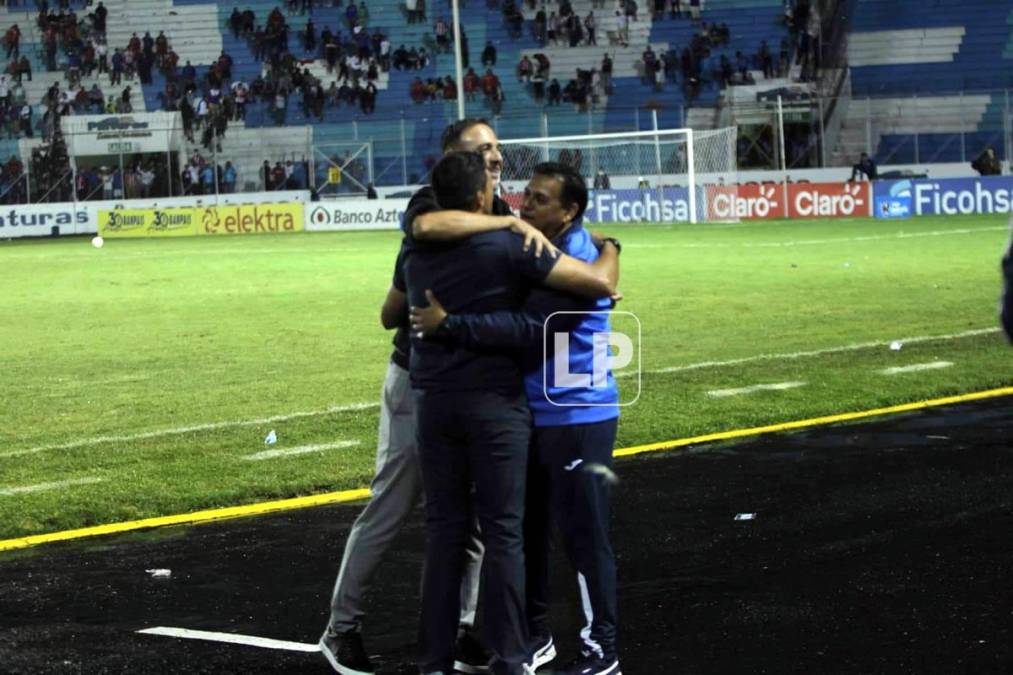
pixel 519 329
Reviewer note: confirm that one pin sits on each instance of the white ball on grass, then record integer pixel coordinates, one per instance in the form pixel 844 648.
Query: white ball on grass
pixel 98 242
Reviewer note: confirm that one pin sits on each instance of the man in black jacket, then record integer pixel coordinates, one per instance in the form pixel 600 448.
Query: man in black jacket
pixel 987 164
pixel 489 55
pixel 866 166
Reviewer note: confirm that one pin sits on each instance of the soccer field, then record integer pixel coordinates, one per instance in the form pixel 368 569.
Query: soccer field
pixel 140 379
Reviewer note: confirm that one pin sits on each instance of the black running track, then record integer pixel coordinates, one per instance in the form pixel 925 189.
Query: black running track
pixel 884 547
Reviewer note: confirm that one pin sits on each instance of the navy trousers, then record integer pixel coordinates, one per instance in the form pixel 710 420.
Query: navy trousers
pixel 567 485
pixel 480 438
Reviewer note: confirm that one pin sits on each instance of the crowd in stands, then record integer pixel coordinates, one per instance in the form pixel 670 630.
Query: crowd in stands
pixel 355 61
pixel 562 26
pixel 81 42
pixel 354 55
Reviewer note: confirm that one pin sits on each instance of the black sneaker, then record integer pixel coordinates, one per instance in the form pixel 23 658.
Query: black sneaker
pixel 345 653
pixel 591 665
pixel 470 656
pixel 543 651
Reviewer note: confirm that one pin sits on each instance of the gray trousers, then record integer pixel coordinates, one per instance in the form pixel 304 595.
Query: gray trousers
pixel 396 491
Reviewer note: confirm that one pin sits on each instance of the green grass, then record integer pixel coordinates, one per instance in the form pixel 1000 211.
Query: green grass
pixel 143 336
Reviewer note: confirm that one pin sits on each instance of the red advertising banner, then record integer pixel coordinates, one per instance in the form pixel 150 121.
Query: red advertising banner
pixel 749 201
pixel 829 200
pixel 804 200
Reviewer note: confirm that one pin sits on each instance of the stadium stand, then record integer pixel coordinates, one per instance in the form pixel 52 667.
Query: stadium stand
pixel 935 74
pixel 199 32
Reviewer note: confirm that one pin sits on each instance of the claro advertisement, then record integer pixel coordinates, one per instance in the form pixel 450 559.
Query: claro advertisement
pixel 240 219
pixel 753 201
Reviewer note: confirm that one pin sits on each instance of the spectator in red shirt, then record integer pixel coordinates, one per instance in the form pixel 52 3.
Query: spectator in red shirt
pixel 524 69
pixel 471 84
pixel 449 89
pixel 418 90
pixel 489 82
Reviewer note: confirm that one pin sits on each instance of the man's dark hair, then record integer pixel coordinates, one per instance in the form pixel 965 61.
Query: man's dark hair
pixel 456 178
pixel 452 134
pixel 573 190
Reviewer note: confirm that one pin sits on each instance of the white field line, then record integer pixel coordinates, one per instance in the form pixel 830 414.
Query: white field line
pixel 231 638
pixel 186 430
pixel 934 365
pixel 365 406
pixel 777 386
pixel 835 240
pixel 818 352
pixel 42 487
pixel 298 450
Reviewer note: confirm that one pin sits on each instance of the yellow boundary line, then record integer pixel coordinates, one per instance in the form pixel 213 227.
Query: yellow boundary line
pixel 194 518
pixel 261 508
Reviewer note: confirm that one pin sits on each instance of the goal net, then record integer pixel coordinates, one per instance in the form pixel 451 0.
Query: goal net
pixel 662 176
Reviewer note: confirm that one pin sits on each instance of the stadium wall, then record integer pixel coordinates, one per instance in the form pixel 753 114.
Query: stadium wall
pixel 292 211
pixel 67 218
pixel 946 197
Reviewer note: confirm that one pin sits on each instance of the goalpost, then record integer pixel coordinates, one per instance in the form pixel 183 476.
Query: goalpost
pixel 676 164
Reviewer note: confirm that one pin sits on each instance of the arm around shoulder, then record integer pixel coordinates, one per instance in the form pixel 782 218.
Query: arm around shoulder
pixel 591 281
pixel 444 225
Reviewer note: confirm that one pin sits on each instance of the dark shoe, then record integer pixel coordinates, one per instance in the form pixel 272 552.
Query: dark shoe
pixel 470 656
pixel 591 665
pixel 345 653
pixel 543 651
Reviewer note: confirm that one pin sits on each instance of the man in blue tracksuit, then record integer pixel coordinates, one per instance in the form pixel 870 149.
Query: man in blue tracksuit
pixel 575 422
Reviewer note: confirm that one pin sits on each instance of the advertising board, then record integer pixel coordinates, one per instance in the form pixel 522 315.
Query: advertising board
pixel 238 219
pixel 355 214
pixel 665 205
pixel 760 201
pixel 43 220
pixel 948 196
pixel 749 201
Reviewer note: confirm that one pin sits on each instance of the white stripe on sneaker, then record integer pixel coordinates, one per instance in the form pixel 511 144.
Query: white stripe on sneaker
pixel 544 654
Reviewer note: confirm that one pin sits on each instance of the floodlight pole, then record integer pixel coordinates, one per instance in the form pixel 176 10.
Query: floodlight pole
pixel 456 15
